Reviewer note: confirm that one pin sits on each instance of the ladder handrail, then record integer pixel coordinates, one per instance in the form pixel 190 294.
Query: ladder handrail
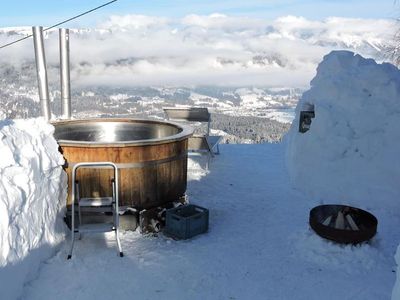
pixel 94 164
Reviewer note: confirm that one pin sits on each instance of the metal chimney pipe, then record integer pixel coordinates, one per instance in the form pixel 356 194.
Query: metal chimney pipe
pixel 41 71
pixel 64 74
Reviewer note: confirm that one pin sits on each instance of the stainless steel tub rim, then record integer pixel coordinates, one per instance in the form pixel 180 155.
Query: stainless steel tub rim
pixel 118 132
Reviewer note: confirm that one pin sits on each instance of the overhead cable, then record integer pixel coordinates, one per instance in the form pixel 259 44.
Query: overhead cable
pixel 60 23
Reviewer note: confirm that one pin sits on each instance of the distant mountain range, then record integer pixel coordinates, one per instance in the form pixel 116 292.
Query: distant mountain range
pixel 136 50
pixel 247 71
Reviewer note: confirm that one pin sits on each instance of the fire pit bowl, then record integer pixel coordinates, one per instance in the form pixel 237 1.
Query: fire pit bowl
pixel 365 223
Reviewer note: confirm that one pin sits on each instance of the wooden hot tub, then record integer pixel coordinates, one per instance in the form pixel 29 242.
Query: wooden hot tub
pixel 151 157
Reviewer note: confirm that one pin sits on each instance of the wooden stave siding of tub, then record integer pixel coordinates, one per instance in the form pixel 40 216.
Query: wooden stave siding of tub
pixel 161 179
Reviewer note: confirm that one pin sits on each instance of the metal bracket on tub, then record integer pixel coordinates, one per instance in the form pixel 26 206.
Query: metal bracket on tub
pixel 149 163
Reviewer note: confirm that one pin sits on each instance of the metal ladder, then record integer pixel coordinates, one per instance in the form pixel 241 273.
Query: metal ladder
pixel 101 204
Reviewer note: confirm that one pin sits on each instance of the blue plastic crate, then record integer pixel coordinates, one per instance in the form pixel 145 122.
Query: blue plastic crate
pixel 186 221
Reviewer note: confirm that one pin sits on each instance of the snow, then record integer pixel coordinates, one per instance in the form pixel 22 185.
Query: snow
pixel 281 115
pixel 350 153
pixel 259 244
pixel 32 193
pixel 119 97
pixel 396 288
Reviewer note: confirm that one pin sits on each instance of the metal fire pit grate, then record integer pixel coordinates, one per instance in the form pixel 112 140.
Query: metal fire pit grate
pixel 359 227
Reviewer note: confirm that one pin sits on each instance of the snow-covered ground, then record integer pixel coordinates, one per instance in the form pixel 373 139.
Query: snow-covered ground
pixel 259 246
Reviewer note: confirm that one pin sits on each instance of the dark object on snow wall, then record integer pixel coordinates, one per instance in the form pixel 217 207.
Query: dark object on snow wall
pixel 305 120
pixel 366 222
pixel 151 157
pixel 186 221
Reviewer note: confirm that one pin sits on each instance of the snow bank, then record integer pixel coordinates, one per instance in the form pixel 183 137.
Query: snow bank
pixel 32 194
pixel 396 288
pixel 350 154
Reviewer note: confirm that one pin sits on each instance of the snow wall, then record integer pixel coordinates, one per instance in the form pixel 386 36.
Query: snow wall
pixel 32 196
pixel 350 155
pixel 351 152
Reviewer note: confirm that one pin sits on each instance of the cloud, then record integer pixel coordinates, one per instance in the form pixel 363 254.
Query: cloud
pixel 133 22
pixel 214 49
pixel 223 22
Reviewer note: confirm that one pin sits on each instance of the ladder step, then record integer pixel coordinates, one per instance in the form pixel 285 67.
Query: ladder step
pixel 96 209
pixel 95 202
pixel 96 227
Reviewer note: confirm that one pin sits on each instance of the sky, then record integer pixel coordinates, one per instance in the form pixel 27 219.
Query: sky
pixel 48 12
pixel 202 42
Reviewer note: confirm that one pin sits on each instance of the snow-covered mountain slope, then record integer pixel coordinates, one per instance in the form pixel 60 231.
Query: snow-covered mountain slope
pixel 267 111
